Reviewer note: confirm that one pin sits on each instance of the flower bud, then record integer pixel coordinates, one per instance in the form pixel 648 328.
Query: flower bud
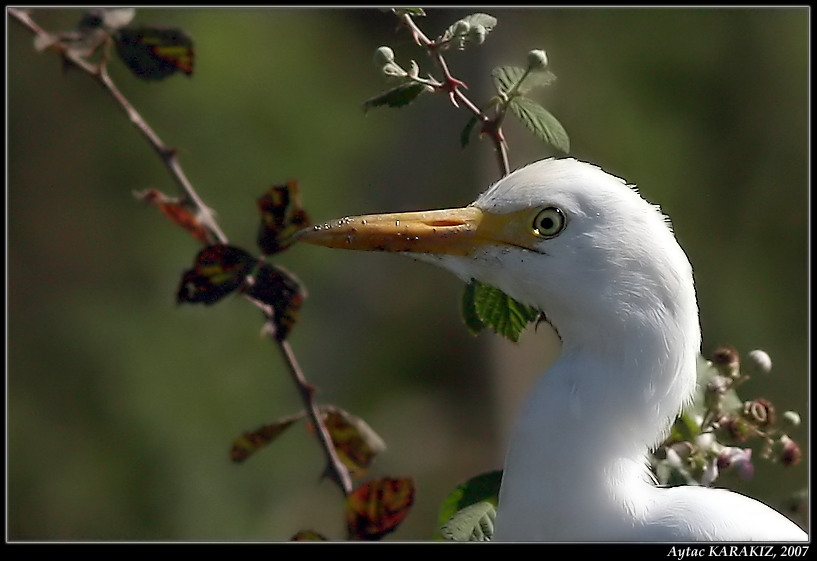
pixel 537 59
pixel 791 419
pixel 740 459
pixel 383 56
pixel 757 362
pixel 461 27
pixel 710 473
pixel 737 429
pixel 726 360
pixel 477 34
pixel 759 411
pixel 715 390
pixel 393 69
pixel 788 451
pixel 705 441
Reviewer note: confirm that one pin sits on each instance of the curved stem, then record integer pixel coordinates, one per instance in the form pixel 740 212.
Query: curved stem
pixel 451 85
pixel 336 470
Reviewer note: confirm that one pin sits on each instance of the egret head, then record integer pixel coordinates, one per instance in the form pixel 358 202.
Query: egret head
pixel 559 234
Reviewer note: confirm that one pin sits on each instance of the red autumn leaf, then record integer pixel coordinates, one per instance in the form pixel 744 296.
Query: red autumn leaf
pixel 280 290
pixel 218 270
pixel 153 53
pixel 281 216
pixel 308 536
pixel 354 440
pixel 250 442
pixel 178 213
pixel 378 506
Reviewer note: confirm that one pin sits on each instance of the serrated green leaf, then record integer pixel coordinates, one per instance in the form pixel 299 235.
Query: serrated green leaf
pixel 541 122
pixel 483 487
pixel 416 12
pixel 474 523
pixel 465 135
pixel 469 309
pixel 685 428
pixel 507 78
pixel 462 31
pixel 485 20
pixel 486 306
pixel 396 97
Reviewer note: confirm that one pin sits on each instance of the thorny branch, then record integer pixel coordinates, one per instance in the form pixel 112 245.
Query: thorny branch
pixel 336 470
pixel 490 127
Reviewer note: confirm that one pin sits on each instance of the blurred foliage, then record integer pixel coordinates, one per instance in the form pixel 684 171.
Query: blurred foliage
pixel 122 407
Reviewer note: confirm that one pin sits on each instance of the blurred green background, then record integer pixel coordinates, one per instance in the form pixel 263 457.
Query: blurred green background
pixel 122 406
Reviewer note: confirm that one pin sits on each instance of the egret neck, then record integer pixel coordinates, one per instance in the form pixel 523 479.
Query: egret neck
pixel 604 267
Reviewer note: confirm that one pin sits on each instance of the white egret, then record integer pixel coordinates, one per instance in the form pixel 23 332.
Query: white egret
pixel 605 268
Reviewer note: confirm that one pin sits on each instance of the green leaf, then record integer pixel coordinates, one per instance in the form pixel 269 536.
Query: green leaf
pixel 507 78
pixel 541 123
pixel 474 523
pixel 465 135
pixel 481 488
pixel 485 20
pixel 486 306
pixel 415 12
pixel 396 97
pixel 153 53
pixel 685 428
pixel 463 30
pixel 469 309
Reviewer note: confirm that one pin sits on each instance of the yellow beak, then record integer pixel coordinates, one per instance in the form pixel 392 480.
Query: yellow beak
pixel 458 231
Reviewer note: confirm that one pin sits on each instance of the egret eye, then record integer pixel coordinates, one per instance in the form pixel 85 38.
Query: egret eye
pixel 549 222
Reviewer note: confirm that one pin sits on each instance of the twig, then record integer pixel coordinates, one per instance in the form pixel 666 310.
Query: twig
pixel 490 127
pixel 336 470
pixel 99 73
pixel 168 155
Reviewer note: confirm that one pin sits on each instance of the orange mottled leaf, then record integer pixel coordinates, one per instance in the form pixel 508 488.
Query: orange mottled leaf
pixel 250 442
pixel 377 507
pixel 178 213
pixel 356 443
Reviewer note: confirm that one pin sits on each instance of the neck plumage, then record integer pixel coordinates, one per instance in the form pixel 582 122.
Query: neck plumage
pixel 589 423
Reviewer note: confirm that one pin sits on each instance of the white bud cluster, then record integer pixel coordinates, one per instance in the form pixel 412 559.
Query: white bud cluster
pixel 537 59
